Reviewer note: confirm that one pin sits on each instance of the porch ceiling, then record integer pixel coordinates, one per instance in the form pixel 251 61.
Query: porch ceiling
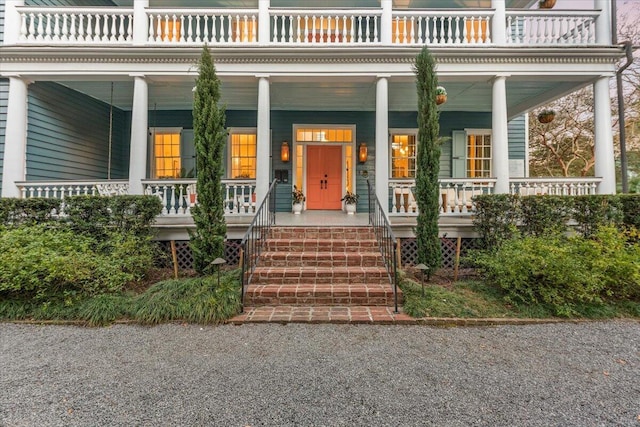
pixel 338 94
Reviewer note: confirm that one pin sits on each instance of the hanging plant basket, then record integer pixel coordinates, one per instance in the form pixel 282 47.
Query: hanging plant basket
pixel 547 4
pixel 441 95
pixel 546 116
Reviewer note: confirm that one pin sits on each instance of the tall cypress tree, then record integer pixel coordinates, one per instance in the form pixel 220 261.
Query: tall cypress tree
pixel 210 135
pixel 428 163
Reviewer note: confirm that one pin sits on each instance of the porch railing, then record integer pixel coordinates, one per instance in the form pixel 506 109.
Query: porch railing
pixel 178 196
pixel 435 28
pixel 551 27
pixel 323 27
pixel 199 26
pixel 255 237
pixel 305 26
pixel 554 186
pixel 456 194
pixel 386 240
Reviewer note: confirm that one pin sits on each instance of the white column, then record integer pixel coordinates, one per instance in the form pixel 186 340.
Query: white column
pixel 382 142
pixel 499 23
pixel 500 135
pixel 15 138
pixel 605 164
pixel 12 21
pixel 263 149
pixel 140 22
pixel 139 135
pixel 603 22
pixel 386 20
pixel 264 22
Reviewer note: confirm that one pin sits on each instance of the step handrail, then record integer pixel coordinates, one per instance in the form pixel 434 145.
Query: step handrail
pixel 386 240
pixel 255 237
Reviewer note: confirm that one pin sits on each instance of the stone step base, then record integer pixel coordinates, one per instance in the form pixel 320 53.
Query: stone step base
pixel 321 314
pixel 321 295
pixel 321 259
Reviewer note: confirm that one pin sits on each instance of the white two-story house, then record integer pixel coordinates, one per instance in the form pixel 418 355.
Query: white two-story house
pixel 96 97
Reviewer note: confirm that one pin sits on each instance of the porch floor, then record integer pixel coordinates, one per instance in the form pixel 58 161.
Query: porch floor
pixel 322 218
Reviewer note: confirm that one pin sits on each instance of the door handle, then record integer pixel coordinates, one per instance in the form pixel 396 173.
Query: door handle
pixel 321 184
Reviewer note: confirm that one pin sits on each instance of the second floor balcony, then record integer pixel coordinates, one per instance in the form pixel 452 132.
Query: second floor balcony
pixel 302 27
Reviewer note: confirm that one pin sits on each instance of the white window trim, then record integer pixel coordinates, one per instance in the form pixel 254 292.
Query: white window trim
pixel 402 131
pixel 152 144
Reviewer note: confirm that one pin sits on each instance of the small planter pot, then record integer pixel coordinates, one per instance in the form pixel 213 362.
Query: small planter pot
pixel 296 208
pixel 547 4
pixel 441 99
pixel 350 208
pixel 546 117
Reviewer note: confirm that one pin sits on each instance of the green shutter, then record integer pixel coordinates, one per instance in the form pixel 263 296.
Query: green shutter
pixel 458 154
pixel 187 152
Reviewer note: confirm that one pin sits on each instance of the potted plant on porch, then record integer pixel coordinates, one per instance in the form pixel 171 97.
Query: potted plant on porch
pixel 350 199
pixel 297 200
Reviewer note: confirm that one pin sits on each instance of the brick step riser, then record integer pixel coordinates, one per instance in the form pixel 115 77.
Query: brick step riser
pixel 282 259
pixel 322 233
pixel 321 246
pixel 322 301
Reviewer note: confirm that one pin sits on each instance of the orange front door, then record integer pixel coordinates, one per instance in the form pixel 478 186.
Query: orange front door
pixel 324 177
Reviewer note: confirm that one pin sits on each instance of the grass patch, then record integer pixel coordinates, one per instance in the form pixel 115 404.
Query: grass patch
pixel 476 299
pixel 194 300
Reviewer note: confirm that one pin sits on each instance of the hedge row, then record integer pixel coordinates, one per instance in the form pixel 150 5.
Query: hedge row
pixel 499 217
pixel 90 215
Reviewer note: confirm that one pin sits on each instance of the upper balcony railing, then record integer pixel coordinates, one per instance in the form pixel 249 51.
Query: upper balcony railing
pixel 300 27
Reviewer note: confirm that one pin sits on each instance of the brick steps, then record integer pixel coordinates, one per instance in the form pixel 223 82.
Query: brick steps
pixel 320 295
pixel 320 267
pixel 321 259
pixel 321 314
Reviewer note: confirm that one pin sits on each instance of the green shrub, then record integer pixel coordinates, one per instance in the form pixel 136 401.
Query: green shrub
pixel 97 215
pixel 630 209
pixel 496 218
pixel 16 212
pixel 545 215
pixel 42 262
pixel 593 211
pixel 561 272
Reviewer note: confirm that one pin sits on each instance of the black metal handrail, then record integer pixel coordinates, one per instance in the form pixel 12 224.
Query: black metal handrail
pixel 386 239
pixel 254 238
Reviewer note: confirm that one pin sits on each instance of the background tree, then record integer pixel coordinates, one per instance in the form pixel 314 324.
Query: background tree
pixel 207 241
pixel 428 163
pixel 565 147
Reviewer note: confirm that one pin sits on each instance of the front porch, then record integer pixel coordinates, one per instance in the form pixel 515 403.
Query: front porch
pixel 178 196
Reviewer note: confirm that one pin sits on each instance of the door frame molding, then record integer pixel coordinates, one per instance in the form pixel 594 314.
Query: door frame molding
pixel 294 158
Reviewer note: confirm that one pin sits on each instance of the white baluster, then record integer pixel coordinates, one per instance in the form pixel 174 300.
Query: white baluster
pixel 182 32
pixel 205 29
pixel 283 33
pixel 190 30
pixel 367 28
pixel 105 27
pixel 375 29
pixel 198 38
pixel 174 32
pixel 121 31
pixel 253 29
pixel 47 28
pixel 353 29
pixel 449 31
pixel 56 28
pixel 165 33
pixel 313 29
pixel 96 30
pixel 151 35
pixel 158 37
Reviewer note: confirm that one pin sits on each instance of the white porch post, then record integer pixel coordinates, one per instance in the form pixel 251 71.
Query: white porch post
pixel 12 21
pixel 605 163
pixel 263 149
pixel 500 135
pixel 140 22
pixel 386 20
pixel 139 135
pixel 264 22
pixel 498 24
pixel 15 139
pixel 382 141
pixel 603 22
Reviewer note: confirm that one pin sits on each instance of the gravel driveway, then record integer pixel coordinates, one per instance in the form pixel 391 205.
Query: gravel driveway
pixel 585 374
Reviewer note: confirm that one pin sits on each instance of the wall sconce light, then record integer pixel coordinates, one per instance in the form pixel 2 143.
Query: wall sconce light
pixel 284 151
pixel 362 152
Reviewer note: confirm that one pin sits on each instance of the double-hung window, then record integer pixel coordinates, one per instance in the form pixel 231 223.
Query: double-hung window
pixel 242 153
pixel 403 153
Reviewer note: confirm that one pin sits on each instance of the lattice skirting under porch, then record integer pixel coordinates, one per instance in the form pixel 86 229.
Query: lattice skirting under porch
pixel 408 247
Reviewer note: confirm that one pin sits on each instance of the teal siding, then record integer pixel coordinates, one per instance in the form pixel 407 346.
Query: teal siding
pixel 4 95
pixel 517 137
pixel 68 135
